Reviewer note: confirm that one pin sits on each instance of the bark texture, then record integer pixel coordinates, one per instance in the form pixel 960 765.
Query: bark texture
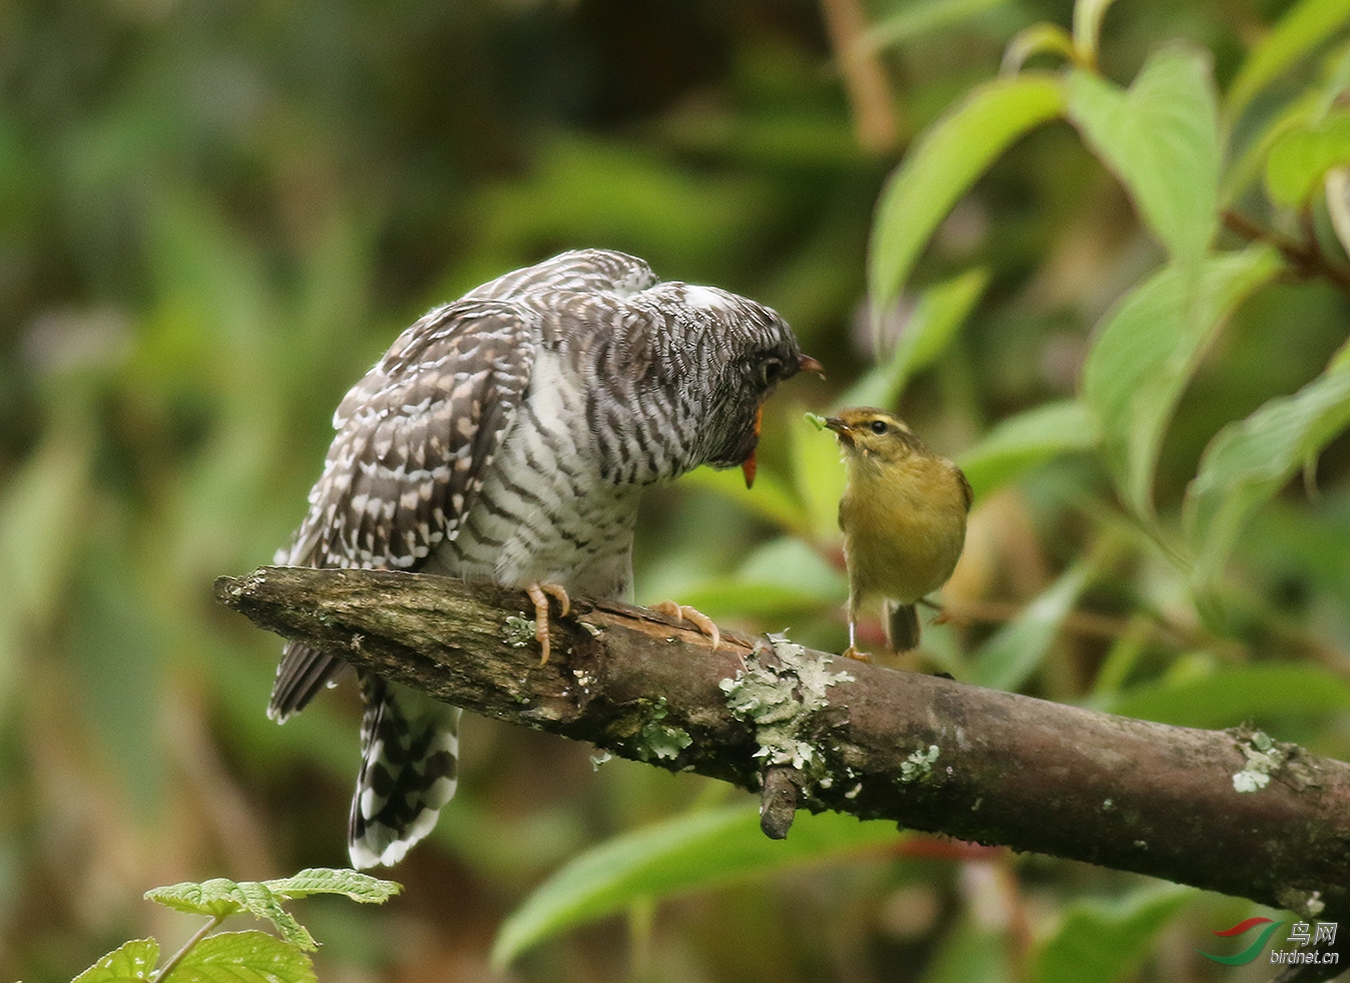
pixel 1229 811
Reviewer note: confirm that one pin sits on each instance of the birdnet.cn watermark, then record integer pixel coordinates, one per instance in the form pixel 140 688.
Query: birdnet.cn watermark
pixel 1308 943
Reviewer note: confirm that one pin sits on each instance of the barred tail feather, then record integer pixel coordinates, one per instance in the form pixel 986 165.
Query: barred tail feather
pixel 409 770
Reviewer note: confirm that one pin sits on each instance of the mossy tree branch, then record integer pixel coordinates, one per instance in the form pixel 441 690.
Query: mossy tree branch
pixel 815 731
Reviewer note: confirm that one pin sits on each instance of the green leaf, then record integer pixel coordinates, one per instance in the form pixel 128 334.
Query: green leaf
pixel 217 897
pixel 695 851
pixel 36 503
pixel 938 315
pixel 1300 158
pixel 1087 28
pixel 221 898
pixel 1305 109
pixel 820 476
pixel 1249 461
pixel 132 962
pixel 771 499
pixel 1161 138
pixel 352 884
pixel 1250 163
pixel 1232 694
pixel 944 162
pixel 782 579
pixel 1099 941
pixel 1306 25
pixel 1012 654
pixel 243 957
pixel 973 950
pixel 1148 350
pixel 1021 442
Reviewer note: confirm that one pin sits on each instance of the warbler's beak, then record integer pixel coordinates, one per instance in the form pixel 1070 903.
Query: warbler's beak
pixel 748 465
pixel 842 429
pixel 808 364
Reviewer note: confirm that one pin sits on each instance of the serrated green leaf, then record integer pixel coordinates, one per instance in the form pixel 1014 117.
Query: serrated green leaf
pixel 1012 654
pixel 1229 695
pixel 941 166
pixel 1099 941
pixel 1021 442
pixel 359 887
pixel 132 962
pixel 1145 355
pixel 260 902
pixel 1300 158
pixel 243 957
pixel 217 897
pixel 1303 27
pixel 1248 462
pixel 221 897
pixel 1161 138
pixel 699 850
pixel 938 315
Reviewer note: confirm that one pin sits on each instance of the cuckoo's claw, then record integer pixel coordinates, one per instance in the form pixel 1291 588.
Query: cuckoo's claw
pixel 539 594
pixel 856 654
pixel 682 612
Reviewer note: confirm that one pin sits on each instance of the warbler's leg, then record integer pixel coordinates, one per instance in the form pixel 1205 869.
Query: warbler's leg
pixel 682 612
pixel 852 651
pixel 539 594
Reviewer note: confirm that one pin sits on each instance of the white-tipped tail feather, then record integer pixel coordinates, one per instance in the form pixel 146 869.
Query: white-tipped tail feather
pixel 409 771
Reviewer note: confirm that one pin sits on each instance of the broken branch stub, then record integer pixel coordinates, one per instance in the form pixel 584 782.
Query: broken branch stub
pixel 1234 812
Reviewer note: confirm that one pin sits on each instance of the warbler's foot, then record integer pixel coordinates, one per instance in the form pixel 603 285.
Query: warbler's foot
pixel 539 594
pixel 682 612
pixel 858 654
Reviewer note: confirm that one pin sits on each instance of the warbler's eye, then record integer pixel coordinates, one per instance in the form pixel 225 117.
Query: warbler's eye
pixel 772 371
pixel 879 427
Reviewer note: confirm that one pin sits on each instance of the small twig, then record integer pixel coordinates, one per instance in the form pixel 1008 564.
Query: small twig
pixel 1307 256
pixel 197 936
pixel 778 801
pixel 869 90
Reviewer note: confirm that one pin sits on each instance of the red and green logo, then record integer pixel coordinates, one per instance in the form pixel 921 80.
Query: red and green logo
pixel 1250 953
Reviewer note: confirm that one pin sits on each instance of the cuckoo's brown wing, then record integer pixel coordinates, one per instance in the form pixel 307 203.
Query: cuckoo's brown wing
pixel 415 439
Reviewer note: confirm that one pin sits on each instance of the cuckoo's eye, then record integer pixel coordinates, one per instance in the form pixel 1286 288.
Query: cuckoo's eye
pixel 879 427
pixel 772 370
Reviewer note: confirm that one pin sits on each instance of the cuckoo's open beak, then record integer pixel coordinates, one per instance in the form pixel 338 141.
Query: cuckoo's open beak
pixel 808 364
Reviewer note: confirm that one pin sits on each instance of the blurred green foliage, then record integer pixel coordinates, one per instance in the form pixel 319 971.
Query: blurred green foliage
pixel 214 217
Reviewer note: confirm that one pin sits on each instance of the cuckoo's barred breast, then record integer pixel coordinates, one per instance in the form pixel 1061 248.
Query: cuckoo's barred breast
pixel 507 436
